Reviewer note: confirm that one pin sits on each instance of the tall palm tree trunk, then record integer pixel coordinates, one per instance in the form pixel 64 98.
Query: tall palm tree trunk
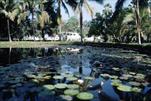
pixel 33 30
pixel 43 34
pixel 138 21
pixel 60 17
pixel 81 24
pixel 8 28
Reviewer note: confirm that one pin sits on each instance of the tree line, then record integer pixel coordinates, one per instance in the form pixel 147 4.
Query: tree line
pixel 21 18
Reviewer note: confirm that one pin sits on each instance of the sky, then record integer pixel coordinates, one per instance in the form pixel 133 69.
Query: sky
pixel 95 6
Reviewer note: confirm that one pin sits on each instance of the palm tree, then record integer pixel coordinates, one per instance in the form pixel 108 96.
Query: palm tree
pixel 10 10
pixel 62 3
pixel 80 5
pixel 43 19
pixel 31 6
pixel 138 6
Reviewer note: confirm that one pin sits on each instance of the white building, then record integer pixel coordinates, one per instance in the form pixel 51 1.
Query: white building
pixel 70 36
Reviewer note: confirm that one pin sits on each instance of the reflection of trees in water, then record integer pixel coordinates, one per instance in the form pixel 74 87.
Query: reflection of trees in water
pixel 75 59
pixel 8 56
pixel 13 55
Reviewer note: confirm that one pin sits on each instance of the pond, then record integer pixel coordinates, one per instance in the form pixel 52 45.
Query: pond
pixel 74 73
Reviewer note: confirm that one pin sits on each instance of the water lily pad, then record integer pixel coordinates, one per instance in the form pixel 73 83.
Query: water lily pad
pixel 66 97
pixel 123 78
pixel 85 96
pixel 73 86
pixel 145 83
pixel 105 75
pixel 58 77
pixel 35 81
pixel 132 73
pixel 113 77
pixel 47 77
pixel 71 92
pixel 116 69
pixel 61 86
pixel 31 76
pixel 72 78
pixel 136 89
pixel 49 87
pixel 139 78
pixel 88 78
pixel 124 88
pixel 127 75
pixel 116 82
pixel 134 83
pixel 141 75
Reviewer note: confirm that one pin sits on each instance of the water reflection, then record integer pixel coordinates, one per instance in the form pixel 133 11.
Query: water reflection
pixel 13 55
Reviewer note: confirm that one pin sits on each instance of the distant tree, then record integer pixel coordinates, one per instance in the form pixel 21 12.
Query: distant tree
pixel 99 25
pixel 71 25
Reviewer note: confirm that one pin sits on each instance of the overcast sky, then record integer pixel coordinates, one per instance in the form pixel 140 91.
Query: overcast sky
pixel 96 8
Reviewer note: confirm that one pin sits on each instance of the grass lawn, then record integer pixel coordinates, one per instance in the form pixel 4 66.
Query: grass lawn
pixel 30 44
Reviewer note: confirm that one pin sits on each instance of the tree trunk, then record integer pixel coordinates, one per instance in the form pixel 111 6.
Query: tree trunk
pixel 60 31
pixel 33 29
pixel 59 20
pixel 81 24
pixel 8 28
pixel 43 35
pixel 138 21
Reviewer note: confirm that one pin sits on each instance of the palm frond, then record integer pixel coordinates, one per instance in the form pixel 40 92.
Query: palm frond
pixel 72 3
pixel 98 1
pixel 118 8
pixel 43 18
pixel 65 8
pixel 88 8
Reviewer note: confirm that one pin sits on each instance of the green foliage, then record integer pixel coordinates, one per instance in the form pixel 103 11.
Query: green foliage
pixel 71 25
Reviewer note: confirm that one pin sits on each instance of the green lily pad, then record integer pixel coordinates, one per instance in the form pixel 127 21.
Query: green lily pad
pixel 136 89
pixel 58 77
pixel 134 83
pixel 72 78
pixel 85 96
pixel 113 77
pixel 49 87
pixel 105 75
pixel 123 78
pixel 116 69
pixel 61 86
pixel 132 73
pixel 145 83
pixel 139 78
pixel 73 86
pixel 66 97
pixel 141 75
pixel 35 81
pixel 116 82
pixel 31 76
pixel 88 78
pixel 127 75
pixel 71 92
pixel 47 77
pixel 124 88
